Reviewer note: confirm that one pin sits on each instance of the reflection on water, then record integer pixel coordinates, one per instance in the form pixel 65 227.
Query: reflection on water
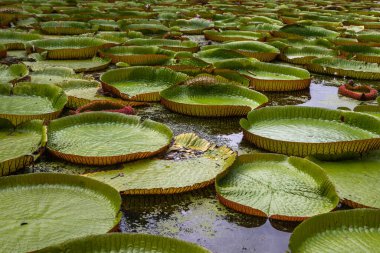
pixel 198 217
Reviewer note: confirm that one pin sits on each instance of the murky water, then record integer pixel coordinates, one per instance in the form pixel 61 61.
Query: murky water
pixel 197 216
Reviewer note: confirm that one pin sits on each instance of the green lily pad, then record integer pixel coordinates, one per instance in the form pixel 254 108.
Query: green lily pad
pixel 20 146
pixel 104 25
pixel 201 97
pixel 218 54
pixel 345 68
pixel 369 109
pixel 55 209
pixel 356 180
pixel 28 101
pixel 140 83
pixel 116 242
pixel 304 55
pixel 341 231
pixel 190 163
pixel 300 31
pixel 192 26
pixel 174 45
pixel 255 49
pixel 66 27
pixel 55 75
pixel 104 138
pixel 233 35
pixel 14 40
pixel 268 76
pixel 303 131
pixel 82 92
pixel 361 53
pixel 137 55
pixel 84 65
pixel 277 186
pixel 68 48
pixel 12 73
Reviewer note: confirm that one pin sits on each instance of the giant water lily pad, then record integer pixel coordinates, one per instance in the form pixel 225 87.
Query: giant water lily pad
pixel 104 138
pixel 82 92
pixel 233 35
pixel 361 53
pixel 12 73
pixel 138 55
pixel 268 76
pixel 277 186
pixel 55 208
pixel 304 55
pixel 192 26
pixel 55 75
pixel 28 101
pixel 66 27
pixel 68 48
pixel 20 145
pixel 174 45
pixel 356 180
pixel 303 131
pixel 140 83
pixel 14 40
pixel 342 231
pixel 218 54
pixel 369 109
pixel 84 65
pixel 300 31
pixel 345 68
pixel 190 163
pixel 258 50
pixel 115 242
pixel 200 97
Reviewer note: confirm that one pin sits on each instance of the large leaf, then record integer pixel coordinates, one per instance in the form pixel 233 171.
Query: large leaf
pixel 258 50
pixel 28 101
pixel 304 55
pixel 205 96
pixel 84 65
pixel 369 109
pixel 140 83
pixel 268 76
pixel 174 45
pixel 104 138
pixel 276 186
pixel 218 54
pixel 303 131
pixel 233 35
pixel 192 26
pixel 20 145
pixel 345 68
pixel 55 208
pixel 138 55
pixel 356 180
pixel 16 40
pixel 66 27
pixel 342 231
pixel 115 242
pixel 82 92
pixel 362 53
pixel 55 75
pixel 12 73
pixel 190 163
pixel 299 31
pixel 68 48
